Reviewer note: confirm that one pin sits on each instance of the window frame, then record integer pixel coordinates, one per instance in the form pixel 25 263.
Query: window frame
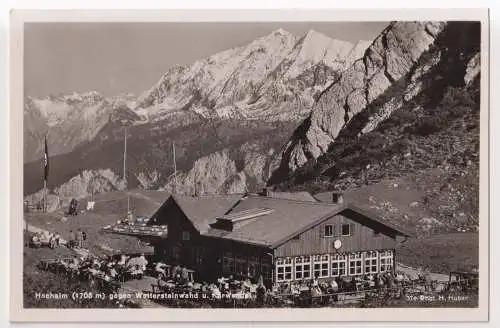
pixel 332 226
pixel 338 259
pixel 323 263
pixel 228 262
pixel 253 266
pixel 356 259
pixel 284 269
pixel 240 262
pixel 184 234
pixel 175 253
pixel 371 262
pixel 386 261
pixel 348 225
pixel 300 263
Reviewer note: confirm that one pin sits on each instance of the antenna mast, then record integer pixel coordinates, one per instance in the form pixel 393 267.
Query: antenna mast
pixel 175 169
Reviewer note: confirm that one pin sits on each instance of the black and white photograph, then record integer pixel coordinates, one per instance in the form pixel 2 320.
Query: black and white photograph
pixel 253 164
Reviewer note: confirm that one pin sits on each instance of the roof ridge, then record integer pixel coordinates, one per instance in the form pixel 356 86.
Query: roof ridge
pixel 318 203
pixel 209 196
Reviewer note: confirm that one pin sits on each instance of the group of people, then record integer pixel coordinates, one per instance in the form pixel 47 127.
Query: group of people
pixel 54 239
pixel 317 287
pixel 106 268
pixel 45 238
pixel 179 279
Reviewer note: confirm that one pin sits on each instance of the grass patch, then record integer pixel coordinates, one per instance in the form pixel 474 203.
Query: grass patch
pixel 441 253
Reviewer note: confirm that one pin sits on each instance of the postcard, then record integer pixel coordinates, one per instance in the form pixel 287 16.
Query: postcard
pixel 286 165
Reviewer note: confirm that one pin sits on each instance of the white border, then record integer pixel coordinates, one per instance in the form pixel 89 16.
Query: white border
pixel 268 315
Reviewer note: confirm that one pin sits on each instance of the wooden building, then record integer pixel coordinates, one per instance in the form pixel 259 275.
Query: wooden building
pixel 280 238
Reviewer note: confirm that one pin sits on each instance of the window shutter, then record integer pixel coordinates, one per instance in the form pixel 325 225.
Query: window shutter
pixel 351 229
pixel 321 231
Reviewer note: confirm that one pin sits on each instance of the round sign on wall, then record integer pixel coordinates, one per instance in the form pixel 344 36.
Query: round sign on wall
pixel 337 244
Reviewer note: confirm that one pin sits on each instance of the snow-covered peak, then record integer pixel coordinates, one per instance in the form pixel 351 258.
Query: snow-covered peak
pixel 264 74
pixel 316 46
pixel 281 31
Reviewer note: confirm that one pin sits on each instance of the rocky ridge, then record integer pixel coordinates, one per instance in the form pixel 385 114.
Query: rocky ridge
pixel 386 62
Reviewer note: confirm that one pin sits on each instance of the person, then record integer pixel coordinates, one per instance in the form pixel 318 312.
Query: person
pixel 79 238
pixel 52 240
pixel 72 237
pixel 57 238
pixel 35 240
pixel 144 262
pixel 184 275
pixel 130 217
pixel 160 269
pixel 176 273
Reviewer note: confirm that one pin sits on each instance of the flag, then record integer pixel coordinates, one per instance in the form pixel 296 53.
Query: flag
pixel 46 161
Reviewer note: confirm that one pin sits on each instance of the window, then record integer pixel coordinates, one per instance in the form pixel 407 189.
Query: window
pixel 346 230
pixel 176 253
pixel 371 262
pixel 329 232
pixel 386 259
pixel 185 235
pixel 266 271
pixel 355 264
pixel 228 263
pixel 321 266
pixel 339 265
pixel 253 266
pixel 302 267
pixel 241 265
pixel 284 269
pixel 199 255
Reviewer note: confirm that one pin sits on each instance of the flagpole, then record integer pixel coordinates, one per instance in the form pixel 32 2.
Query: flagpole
pixel 46 173
pixel 45 195
pixel 125 170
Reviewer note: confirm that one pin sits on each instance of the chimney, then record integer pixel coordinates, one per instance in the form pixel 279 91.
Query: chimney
pixel 266 191
pixel 337 198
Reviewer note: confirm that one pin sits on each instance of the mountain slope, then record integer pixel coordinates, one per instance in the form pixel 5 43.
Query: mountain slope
pixel 68 120
pixel 422 131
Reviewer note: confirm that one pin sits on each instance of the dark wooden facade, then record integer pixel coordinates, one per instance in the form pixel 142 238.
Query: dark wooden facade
pixel 371 244
pixel 208 256
pixel 314 241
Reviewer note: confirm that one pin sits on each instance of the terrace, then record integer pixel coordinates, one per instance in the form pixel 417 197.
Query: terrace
pixel 138 228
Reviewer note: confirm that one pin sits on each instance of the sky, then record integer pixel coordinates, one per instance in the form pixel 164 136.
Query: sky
pixel 117 58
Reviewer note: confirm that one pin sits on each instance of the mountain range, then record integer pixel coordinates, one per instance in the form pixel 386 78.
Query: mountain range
pixel 242 99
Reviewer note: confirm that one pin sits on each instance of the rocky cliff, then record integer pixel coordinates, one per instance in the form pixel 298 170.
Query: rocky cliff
pixel 390 58
pixel 87 183
pixel 244 169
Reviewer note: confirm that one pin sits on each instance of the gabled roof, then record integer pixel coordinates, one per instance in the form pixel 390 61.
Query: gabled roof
pixel 288 217
pixel 278 221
